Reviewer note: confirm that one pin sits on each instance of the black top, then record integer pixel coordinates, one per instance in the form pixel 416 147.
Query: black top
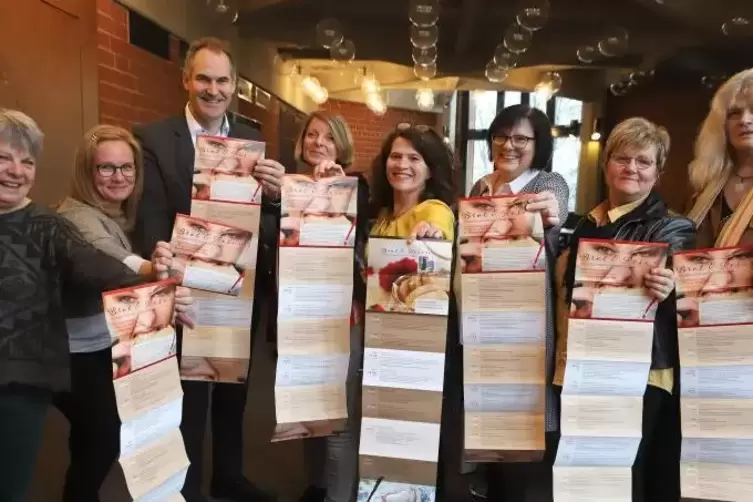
pixel 43 257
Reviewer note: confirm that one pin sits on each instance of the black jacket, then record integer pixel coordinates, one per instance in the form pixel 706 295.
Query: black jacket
pixel 649 222
pixel 168 176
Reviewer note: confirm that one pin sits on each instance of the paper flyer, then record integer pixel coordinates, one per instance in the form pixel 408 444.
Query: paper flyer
pixel 315 277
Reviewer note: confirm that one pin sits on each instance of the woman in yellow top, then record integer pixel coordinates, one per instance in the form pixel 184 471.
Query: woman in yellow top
pixel 413 186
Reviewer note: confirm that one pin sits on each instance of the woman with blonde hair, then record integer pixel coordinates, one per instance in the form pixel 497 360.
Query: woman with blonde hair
pixel 721 173
pixel 104 196
pixel 325 148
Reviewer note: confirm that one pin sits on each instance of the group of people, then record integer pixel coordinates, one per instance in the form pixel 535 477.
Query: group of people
pixel 113 229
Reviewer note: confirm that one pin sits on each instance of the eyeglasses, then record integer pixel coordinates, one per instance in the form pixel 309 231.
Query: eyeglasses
pixel 516 140
pixel 108 170
pixel 642 163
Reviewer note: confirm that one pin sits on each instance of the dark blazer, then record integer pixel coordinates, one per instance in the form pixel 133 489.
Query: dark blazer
pixel 168 176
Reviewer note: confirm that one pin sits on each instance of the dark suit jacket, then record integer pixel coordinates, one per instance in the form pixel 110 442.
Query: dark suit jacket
pixel 168 176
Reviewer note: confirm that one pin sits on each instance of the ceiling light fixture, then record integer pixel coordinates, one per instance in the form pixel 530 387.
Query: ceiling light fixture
pixel 314 89
pixel 425 98
pixel 376 103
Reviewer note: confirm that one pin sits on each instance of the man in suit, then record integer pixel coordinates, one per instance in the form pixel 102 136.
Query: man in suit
pixel 210 79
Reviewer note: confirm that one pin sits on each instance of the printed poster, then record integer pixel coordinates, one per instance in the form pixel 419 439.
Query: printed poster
pixel 607 362
pixel 503 329
pixel 408 294
pixel 715 316
pixel 148 394
pixel 315 277
pixel 226 200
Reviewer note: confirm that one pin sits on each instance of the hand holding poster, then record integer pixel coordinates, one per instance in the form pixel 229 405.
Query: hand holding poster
pixel 147 389
pixel 503 326
pixel 607 357
pixel 715 316
pixel 407 300
pixel 315 278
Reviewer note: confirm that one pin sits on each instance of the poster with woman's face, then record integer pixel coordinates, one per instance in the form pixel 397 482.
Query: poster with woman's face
pixel 497 233
pixel 610 278
pixel 319 212
pixel 141 324
pixel 224 170
pixel 403 277
pixel 714 286
pixel 211 256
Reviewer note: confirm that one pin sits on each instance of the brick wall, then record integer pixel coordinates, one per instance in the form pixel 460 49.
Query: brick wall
pixel 135 86
pixel 369 130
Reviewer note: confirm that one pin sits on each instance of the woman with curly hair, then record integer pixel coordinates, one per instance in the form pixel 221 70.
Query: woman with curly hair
pixel 413 185
pixel 722 172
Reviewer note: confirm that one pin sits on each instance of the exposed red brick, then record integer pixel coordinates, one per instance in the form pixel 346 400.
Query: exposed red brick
pixel 112 27
pixel 135 86
pixel 369 130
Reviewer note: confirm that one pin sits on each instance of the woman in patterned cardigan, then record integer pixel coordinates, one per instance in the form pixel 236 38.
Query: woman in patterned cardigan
pixel 40 255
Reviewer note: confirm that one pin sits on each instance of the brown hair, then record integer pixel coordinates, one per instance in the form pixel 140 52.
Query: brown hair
pixel 82 186
pixel 341 135
pixel 213 44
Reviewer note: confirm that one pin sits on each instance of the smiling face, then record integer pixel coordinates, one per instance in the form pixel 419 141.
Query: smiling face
pixel 513 149
pixel 318 143
pixel 114 170
pixel 210 84
pixel 407 171
pixel 17 174
pixel 631 173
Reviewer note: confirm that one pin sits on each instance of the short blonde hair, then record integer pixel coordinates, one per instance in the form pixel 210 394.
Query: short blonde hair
pixel 712 158
pixel 341 135
pixel 82 185
pixel 639 133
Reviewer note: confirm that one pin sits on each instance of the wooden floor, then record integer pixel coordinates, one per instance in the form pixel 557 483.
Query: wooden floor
pixel 275 467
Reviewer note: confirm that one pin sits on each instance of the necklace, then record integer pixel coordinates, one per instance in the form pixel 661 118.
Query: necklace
pixel 740 185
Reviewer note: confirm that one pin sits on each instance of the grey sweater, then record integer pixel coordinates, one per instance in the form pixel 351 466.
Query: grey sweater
pixel 89 333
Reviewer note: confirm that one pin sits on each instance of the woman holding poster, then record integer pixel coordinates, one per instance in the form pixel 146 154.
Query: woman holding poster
pixel 325 149
pixel 105 191
pixel 40 254
pixel 722 172
pixel 520 144
pixel 413 185
pixel 634 158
